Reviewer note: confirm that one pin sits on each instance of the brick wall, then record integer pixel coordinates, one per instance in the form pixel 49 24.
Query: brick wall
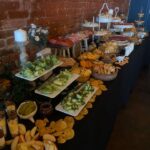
pixel 62 16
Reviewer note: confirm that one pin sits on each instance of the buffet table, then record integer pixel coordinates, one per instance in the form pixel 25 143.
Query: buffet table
pixel 94 130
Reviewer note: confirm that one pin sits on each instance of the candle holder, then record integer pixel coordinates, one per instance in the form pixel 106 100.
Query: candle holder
pixel 23 54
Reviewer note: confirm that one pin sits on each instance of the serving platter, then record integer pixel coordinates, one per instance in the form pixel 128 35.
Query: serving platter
pixel 44 73
pixel 57 92
pixel 76 112
pixel 101 33
pixel 102 19
pixel 124 26
pixel 90 25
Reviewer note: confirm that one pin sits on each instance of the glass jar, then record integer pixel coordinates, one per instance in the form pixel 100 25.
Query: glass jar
pixel 13 123
pixel 2 139
pixel 3 122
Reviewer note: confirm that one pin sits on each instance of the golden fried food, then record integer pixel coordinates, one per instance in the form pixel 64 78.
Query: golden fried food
pixel 61 140
pixel 70 121
pixel 84 111
pixel 67 62
pixel 99 52
pixel 103 88
pixel 60 125
pixel 89 56
pixel 86 64
pixel 109 47
pixel 79 117
pixel 83 72
pixel 95 82
pixel 68 134
pixel 103 68
pixel 89 105
pixel 99 92
pixel 41 123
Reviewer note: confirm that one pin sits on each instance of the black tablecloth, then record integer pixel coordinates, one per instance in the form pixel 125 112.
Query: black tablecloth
pixel 94 130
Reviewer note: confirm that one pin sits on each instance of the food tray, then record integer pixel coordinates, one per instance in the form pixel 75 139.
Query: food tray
pixel 54 94
pixel 76 113
pixel 105 77
pixel 44 73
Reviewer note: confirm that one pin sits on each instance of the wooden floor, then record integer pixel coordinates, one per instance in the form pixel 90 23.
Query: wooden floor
pixel 132 127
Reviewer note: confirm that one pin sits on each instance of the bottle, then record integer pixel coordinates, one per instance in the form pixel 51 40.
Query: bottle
pixel 3 122
pixel 2 139
pixel 13 123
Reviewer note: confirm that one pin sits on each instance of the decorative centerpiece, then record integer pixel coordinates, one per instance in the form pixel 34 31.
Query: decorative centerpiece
pixel 38 35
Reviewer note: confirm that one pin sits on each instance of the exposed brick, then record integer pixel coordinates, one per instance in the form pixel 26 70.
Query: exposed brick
pixel 17 14
pixel 2 43
pixel 9 5
pixel 61 16
pixel 6 33
pixel 10 41
pixel 3 15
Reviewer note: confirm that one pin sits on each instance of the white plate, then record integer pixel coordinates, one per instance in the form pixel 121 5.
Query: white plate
pixel 75 113
pixel 123 26
pixel 103 20
pixel 54 94
pixel 44 73
pixel 90 25
pixel 101 33
pixel 115 20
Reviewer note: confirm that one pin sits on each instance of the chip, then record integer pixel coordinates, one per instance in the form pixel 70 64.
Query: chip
pixel 61 140
pixel 68 134
pixel 70 121
pixel 79 117
pixel 89 105
pixel 60 125
pixel 84 111
pixel 103 88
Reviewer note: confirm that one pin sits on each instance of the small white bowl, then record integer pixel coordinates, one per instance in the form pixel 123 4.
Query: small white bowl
pixel 29 116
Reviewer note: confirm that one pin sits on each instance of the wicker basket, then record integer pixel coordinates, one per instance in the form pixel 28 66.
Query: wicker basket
pixel 105 77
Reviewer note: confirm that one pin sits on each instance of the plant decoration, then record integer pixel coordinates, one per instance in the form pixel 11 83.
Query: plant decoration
pixel 38 35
